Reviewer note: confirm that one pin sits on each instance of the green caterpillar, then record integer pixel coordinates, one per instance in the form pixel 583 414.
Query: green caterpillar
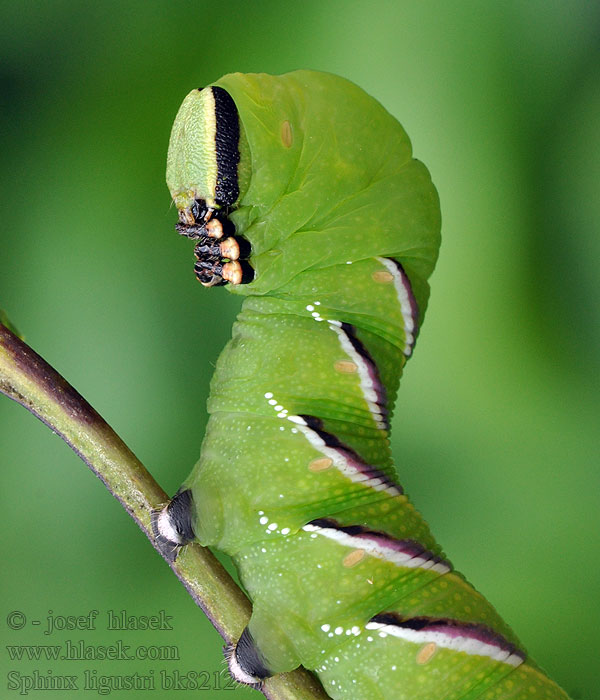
pixel 303 195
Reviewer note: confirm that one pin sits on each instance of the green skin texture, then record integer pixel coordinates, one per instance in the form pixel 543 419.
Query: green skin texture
pixel 318 214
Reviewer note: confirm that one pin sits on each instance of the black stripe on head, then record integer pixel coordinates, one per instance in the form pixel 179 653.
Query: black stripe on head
pixel 227 142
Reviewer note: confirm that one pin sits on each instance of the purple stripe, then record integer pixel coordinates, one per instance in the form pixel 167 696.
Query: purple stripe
pixel 411 548
pixel 348 454
pixel 414 307
pixel 378 386
pixel 412 302
pixel 450 628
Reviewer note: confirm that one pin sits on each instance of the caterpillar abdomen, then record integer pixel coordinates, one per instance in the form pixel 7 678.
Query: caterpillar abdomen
pixel 295 480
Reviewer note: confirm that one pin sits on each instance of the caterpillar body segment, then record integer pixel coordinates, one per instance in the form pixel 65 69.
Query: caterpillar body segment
pixel 302 194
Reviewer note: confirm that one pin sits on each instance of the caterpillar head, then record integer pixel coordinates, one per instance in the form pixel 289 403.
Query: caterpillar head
pixel 204 171
pixel 305 171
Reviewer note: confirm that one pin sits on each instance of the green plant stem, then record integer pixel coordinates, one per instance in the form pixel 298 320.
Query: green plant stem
pixel 28 379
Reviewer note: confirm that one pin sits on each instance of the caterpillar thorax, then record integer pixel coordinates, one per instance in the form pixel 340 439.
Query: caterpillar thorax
pixel 302 193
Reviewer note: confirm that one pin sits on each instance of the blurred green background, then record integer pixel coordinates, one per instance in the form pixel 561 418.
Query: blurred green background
pixel 496 431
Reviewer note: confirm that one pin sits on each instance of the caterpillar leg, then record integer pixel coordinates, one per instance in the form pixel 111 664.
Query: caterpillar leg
pixel 246 663
pixel 221 256
pixel 172 525
pixel 214 272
